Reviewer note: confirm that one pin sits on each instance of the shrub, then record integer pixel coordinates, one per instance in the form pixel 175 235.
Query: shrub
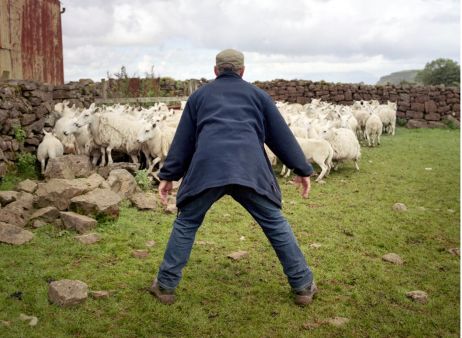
pixel 143 180
pixel 26 163
pixel 401 121
pixel 19 134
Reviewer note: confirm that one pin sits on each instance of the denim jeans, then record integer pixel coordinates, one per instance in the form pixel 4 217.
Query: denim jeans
pixel 264 211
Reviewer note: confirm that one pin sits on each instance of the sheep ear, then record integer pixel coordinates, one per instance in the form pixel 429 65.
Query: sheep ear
pixel 45 132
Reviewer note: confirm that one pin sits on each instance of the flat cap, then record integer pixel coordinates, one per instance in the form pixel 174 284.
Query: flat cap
pixel 230 57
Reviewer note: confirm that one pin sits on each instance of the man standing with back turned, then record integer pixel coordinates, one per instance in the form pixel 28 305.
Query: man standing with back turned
pixel 218 149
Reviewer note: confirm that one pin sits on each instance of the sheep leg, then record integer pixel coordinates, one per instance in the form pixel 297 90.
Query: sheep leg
pixel 109 155
pixel 148 158
pixel 356 164
pixel 151 167
pixel 103 157
pixel 336 165
pixel 287 173
pixel 156 174
pixel 42 165
pixel 324 168
pixel 96 157
pixel 134 158
pixel 283 170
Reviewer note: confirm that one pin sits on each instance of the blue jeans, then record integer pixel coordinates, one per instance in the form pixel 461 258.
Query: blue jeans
pixel 264 211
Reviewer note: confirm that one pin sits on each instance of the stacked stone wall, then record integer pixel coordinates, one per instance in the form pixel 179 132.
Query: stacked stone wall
pixel 27 106
pixel 25 110
pixel 422 106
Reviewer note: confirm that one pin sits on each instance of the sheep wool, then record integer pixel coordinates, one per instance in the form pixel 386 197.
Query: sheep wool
pixel 50 147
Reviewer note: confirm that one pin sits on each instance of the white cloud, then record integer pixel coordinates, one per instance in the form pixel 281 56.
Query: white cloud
pixel 335 40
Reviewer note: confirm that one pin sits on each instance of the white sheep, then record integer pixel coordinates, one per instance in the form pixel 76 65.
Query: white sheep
pixel 344 143
pixel 84 141
pixel 318 151
pixel 50 147
pixel 349 121
pixel 156 140
pixel 361 115
pixel 373 130
pixel 299 131
pixel 112 131
pixel 271 157
pixel 387 114
pixel 120 133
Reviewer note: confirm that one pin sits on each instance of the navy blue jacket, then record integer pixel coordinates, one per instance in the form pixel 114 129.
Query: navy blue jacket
pixel 220 137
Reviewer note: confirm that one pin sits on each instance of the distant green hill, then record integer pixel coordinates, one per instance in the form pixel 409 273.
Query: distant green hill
pixel 398 77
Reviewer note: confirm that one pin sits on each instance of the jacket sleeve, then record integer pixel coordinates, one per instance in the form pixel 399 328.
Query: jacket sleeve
pixel 282 142
pixel 182 149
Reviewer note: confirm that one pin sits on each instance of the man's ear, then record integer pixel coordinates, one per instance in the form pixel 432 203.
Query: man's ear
pixel 242 71
pixel 215 69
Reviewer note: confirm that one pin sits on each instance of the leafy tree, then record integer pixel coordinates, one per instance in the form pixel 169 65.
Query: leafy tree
pixel 440 71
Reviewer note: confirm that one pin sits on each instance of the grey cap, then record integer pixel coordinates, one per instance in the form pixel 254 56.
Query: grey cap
pixel 230 57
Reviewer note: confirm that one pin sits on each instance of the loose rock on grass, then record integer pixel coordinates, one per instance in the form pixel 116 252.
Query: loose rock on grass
pixel 102 202
pixel 337 321
pixel 140 254
pixel 32 319
pixel 67 292
pixel 238 255
pixel 454 251
pixel 418 296
pixel 144 200
pixel 399 207
pixel 77 222
pixel 150 243
pixel 14 235
pixel 393 258
pixel 99 294
pixel 88 238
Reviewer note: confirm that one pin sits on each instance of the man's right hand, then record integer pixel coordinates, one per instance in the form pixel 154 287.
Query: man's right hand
pixel 165 187
pixel 305 185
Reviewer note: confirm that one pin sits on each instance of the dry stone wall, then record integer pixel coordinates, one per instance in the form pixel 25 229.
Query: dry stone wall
pixel 26 106
pixel 418 106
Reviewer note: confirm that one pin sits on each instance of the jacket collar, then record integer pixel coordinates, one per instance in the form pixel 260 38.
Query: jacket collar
pixel 228 74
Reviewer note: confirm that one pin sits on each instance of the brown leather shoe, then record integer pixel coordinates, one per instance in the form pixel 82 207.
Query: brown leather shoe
pixel 164 296
pixel 306 296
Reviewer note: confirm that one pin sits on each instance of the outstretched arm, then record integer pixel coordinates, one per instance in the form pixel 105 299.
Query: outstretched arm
pixel 282 142
pixel 182 148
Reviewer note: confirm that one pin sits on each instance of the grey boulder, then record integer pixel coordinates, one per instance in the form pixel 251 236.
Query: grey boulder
pixel 67 292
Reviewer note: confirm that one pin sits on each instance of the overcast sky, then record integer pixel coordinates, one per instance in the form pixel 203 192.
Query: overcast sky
pixel 331 40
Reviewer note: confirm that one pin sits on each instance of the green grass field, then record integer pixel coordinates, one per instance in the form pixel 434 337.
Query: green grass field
pixel 350 216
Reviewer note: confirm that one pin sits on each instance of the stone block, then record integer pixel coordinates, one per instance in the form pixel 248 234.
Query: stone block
pixel 419 107
pixel 413 124
pixel 67 292
pixel 430 107
pixel 77 222
pixel 432 117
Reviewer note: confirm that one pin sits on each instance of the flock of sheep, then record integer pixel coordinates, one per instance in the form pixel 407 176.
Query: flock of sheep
pixel 328 134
